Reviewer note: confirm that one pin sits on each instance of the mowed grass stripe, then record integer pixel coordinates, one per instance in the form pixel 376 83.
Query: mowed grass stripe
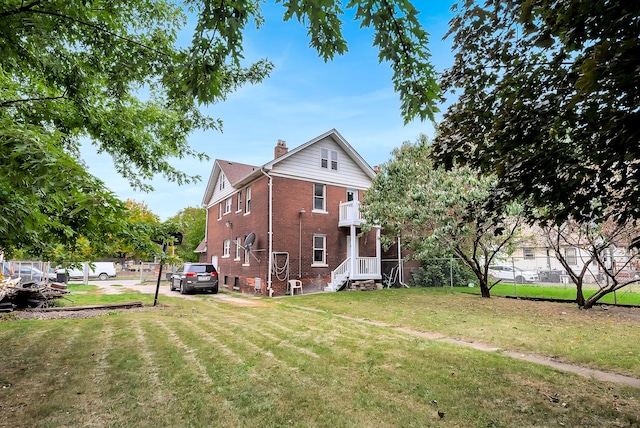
pixel 25 364
pixel 157 393
pixel 188 352
pixel 191 393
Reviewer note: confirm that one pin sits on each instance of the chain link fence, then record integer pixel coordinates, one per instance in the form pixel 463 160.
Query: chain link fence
pixel 36 271
pixel 531 271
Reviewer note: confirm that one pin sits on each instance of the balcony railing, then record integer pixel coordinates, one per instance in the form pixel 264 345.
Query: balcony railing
pixel 350 214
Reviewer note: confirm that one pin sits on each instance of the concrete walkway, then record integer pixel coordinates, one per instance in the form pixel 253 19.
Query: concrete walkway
pixel 532 358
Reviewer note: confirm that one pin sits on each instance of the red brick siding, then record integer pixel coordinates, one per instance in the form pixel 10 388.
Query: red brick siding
pixel 241 225
pixel 289 196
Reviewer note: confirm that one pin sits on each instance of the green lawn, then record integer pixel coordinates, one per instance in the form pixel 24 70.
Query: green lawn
pixel 278 364
pixel 629 295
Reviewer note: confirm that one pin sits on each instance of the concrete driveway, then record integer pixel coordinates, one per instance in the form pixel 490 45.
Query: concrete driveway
pixel 117 286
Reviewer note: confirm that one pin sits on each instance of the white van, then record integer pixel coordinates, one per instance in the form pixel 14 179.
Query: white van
pixel 102 270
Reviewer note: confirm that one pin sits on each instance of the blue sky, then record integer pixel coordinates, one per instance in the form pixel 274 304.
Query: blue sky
pixel 303 98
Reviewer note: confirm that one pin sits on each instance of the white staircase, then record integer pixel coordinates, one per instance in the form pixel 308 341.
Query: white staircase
pixel 339 276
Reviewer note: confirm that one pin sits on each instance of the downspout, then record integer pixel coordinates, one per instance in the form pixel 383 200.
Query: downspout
pixel 400 264
pixel 206 236
pixel 270 232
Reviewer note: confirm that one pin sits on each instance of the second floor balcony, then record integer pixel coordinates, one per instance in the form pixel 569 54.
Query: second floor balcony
pixel 350 214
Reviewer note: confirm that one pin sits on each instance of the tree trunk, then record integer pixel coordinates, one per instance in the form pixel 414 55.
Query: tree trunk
pixel 485 291
pixel 580 295
pixel 588 304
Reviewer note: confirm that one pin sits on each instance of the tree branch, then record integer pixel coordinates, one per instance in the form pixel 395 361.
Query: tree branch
pixel 21 9
pixel 99 28
pixel 26 100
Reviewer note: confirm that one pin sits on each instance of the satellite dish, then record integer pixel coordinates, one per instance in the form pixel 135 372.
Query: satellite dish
pixel 249 240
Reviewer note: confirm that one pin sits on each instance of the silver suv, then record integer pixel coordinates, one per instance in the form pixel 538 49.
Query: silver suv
pixel 192 277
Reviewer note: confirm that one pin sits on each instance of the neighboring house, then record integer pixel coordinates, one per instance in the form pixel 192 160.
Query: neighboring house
pixel 533 254
pixel 296 217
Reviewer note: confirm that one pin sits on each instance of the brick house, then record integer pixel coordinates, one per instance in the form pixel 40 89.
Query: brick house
pixel 295 217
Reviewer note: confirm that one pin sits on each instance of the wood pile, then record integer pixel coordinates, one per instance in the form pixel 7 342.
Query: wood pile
pixel 15 294
pixel 367 285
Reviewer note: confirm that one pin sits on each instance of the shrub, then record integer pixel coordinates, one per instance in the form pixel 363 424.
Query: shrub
pixel 438 272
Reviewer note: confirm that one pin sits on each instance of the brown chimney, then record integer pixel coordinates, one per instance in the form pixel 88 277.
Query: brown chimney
pixel 281 149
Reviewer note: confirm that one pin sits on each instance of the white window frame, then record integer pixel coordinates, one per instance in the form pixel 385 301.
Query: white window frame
pixel 247 256
pixel 239 206
pixel 247 205
pixel 220 211
pixel 328 159
pixel 226 248
pixel 322 249
pixel 529 253
pixel 322 197
pixel 238 247
pixel 222 180
pixel 227 206
pixel 571 260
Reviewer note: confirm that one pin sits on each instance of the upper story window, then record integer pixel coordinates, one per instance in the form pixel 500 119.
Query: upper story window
pixel 239 208
pixel 219 210
pixel 226 248
pixel 319 197
pixel 222 180
pixel 247 205
pixel 227 205
pixel 329 159
pixel 570 256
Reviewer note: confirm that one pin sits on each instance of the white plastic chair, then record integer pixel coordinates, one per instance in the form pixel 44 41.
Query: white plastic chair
pixel 295 283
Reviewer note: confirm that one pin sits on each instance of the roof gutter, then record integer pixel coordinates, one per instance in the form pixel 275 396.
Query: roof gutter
pixel 270 231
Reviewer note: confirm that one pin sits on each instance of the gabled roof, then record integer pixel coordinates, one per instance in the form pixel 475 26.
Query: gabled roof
pixel 234 171
pixel 339 139
pixel 202 246
pixel 240 174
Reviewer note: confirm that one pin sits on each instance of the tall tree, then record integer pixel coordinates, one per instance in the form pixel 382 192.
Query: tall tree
pixel 548 101
pixel 438 211
pixel 599 242
pixel 191 222
pixel 111 72
pixel 133 239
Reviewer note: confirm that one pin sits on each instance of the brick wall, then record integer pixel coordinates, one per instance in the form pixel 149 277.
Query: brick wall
pixel 241 225
pixel 292 230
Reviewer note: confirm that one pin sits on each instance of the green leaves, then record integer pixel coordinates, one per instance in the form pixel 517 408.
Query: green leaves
pixel 548 98
pixel 112 72
pixel 438 211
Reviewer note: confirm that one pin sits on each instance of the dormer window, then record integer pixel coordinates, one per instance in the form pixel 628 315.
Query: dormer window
pixel 329 159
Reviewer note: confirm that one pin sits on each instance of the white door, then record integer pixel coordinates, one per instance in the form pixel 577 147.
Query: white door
pixel 351 253
pixel 352 195
pixel 214 262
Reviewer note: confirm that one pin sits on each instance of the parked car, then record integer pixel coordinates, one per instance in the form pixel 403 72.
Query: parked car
pixel 102 270
pixel 513 274
pixel 192 277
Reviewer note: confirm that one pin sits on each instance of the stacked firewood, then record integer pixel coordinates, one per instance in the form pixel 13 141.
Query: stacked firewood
pixel 364 285
pixel 16 294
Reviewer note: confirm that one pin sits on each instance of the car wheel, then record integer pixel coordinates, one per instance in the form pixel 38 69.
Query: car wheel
pixel 171 285
pixel 103 276
pixel 519 280
pixel 214 290
pixel 182 290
